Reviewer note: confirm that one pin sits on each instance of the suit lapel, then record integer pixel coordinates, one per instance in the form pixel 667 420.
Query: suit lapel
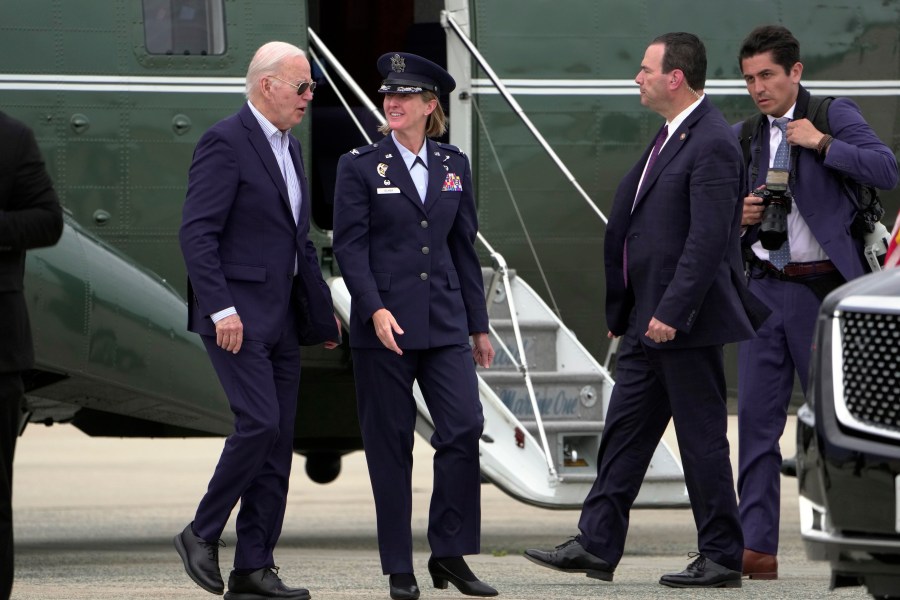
pixel 437 172
pixel 266 155
pixel 294 150
pixel 674 144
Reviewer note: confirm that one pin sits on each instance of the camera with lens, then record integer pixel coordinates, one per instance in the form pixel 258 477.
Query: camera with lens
pixel 777 202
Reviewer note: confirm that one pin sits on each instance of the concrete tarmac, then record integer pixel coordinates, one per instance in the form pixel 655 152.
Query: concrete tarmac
pixel 95 517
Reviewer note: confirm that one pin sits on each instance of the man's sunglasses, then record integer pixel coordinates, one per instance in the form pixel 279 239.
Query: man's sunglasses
pixel 300 87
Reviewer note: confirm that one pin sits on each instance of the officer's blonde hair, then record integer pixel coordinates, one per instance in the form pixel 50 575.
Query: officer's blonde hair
pixel 267 61
pixel 435 125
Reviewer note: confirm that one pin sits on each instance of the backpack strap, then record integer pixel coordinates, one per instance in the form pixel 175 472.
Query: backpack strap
pixel 748 128
pixel 817 112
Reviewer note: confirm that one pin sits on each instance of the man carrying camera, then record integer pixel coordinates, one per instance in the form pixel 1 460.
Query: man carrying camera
pixel 796 236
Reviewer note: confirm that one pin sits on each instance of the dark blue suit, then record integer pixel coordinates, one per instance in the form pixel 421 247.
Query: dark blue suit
pixel 766 364
pixel 684 268
pixel 240 242
pixel 30 217
pixel 418 261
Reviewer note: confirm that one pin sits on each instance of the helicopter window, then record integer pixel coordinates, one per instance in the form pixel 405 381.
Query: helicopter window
pixel 187 27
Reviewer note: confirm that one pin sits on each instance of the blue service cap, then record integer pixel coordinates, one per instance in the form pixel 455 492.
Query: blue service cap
pixel 406 73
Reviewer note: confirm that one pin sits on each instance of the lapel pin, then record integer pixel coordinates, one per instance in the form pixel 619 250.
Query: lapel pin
pixel 446 168
pixel 382 169
pixel 387 182
pixel 683 135
pixel 389 155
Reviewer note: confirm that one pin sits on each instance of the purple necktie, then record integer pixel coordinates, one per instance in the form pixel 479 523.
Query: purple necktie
pixel 660 140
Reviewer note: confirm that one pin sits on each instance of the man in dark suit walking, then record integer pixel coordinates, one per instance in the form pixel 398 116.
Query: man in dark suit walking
pixel 30 217
pixel 255 294
pixel 676 294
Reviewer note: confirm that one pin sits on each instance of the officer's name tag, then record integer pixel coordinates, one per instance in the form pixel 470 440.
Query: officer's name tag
pixel 389 190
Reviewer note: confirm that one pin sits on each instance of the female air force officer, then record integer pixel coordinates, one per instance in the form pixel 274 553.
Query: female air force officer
pixel 404 229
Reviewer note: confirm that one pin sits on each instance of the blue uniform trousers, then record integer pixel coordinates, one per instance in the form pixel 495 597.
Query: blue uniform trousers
pixel 387 416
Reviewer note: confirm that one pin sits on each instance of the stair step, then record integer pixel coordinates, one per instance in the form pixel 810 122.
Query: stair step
pixel 538 340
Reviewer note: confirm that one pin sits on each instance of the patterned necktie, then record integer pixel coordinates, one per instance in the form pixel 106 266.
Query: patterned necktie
pixel 782 256
pixel 660 140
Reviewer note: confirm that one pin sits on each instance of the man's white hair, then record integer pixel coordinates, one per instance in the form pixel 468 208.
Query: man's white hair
pixel 267 61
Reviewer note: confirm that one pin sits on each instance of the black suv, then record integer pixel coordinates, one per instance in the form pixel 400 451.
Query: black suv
pixel 848 437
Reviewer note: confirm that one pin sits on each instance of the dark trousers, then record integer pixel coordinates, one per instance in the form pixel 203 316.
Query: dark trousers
pixel 11 394
pixel 652 386
pixel 261 383
pixel 387 416
pixel 766 368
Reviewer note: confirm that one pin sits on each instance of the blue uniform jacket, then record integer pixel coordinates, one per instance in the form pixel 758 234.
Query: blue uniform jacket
pixel 417 260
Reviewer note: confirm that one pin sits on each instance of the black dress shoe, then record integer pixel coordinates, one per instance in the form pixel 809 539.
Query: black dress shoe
pixel 789 466
pixel 571 557
pixel 703 573
pixel 404 586
pixel 261 585
pixel 455 570
pixel 201 560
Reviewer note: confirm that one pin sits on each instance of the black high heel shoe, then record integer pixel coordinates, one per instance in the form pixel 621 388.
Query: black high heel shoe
pixel 455 570
pixel 403 586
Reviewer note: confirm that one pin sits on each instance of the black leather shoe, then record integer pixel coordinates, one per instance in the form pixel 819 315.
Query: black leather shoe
pixel 789 466
pixel 455 570
pixel 201 560
pixel 260 585
pixel 571 557
pixel 404 586
pixel 703 573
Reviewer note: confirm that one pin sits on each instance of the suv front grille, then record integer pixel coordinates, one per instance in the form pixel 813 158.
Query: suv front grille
pixel 870 352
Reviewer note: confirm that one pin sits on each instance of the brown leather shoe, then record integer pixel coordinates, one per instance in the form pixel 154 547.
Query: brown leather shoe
pixel 758 565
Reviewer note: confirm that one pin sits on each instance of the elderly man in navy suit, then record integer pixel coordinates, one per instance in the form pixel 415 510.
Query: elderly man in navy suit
pixel 818 255
pixel 255 294
pixel 675 293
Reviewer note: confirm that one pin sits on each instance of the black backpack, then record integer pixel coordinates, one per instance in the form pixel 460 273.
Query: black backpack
pixel 868 205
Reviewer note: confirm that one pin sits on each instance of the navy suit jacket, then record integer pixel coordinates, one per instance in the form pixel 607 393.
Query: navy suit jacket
pixel 818 194
pixel 239 238
pixel 684 263
pixel 416 260
pixel 30 217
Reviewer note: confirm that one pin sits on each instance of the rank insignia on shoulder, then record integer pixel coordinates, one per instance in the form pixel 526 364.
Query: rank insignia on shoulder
pixel 362 150
pixel 452 183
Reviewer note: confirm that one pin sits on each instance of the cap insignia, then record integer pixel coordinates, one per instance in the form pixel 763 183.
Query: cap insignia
pixel 398 65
